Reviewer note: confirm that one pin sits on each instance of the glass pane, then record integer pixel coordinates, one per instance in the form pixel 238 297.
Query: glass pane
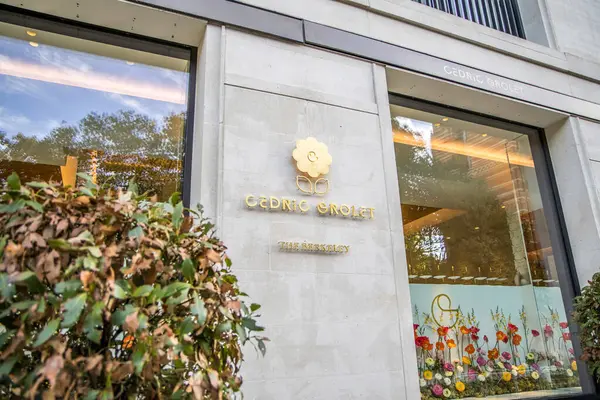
pixel 488 312
pixel 69 105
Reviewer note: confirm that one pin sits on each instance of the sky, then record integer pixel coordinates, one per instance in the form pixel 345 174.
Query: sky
pixel 34 107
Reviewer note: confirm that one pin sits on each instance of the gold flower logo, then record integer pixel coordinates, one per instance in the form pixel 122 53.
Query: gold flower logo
pixel 312 157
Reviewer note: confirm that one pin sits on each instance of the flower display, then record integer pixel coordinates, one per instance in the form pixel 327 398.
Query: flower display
pixel 448 367
pixel 451 343
pixel 312 157
pixel 438 377
pixel 447 392
pixel 448 373
pixel 485 338
pixel 460 386
pixel 564 325
pixel 530 356
pixel 481 378
pixel 535 333
pixel 442 330
pixel 428 375
pixel 466 360
pixel 481 361
pixel 422 341
pixel 470 349
pixel 439 346
pixel 447 381
pixel 506 376
pixel 422 382
pixel 493 354
pixel 574 365
pixel 437 390
pixel 511 328
pixel 430 361
pixel 506 355
pixel 535 375
pixel 516 339
pixel 569 372
pixel 464 330
pixel 566 336
pixel 548 331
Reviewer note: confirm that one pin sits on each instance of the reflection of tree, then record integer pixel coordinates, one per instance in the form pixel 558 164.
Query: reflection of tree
pixel 475 241
pixel 116 147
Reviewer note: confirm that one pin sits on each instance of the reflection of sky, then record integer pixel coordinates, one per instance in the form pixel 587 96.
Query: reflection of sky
pixel 422 129
pixel 34 107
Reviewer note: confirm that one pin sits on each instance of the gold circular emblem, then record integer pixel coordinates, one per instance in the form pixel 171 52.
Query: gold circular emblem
pixel 312 157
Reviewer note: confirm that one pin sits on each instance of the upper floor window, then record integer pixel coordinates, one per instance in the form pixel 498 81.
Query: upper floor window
pixel 70 105
pixel 502 15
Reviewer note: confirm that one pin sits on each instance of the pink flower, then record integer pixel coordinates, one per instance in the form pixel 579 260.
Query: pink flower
pixel 564 325
pixel 558 364
pixel 449 367
pixel 506 355
pixel 566 336
pixel 548 331
pixel 535 333
pixel 480 361
pixel 437 390
pixel 472 374
pixel 507 366
pixel 485 338
pixel 535 366
pixel 415 326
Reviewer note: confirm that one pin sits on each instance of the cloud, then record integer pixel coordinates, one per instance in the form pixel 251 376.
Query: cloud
pixel 13 122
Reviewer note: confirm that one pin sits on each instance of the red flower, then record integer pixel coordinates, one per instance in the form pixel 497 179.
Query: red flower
pixel 516 340
pixel 485 338
pixel 464 330
pixel 428 346
pixel 500 335
pixel 415 326
pixel 564 325
pixel 439 346
pixel 512 328
pixel 470 349
pixel 474 330
pixel 566 336
pixel 442 330
pixel 535 333
pixel 548 331
pixel 422 341
pixel 474 337
pixel 505 339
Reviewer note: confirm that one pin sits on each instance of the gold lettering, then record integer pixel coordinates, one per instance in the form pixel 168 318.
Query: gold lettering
pixel 333 209
pixel 285 205
pixel 330 248
pixel 322 208
pixel 294 207
pixel 304 246
pixel 372 210
pixel 274 203
pixel 345 214
pixel 263 202
pixel 295 246
pixel 355 212
pixel 363 210
pixel 303 202
pixel 249 198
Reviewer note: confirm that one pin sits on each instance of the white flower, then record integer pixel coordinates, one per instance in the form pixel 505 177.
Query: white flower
pixel 447 381
pixel 500 365
pixel 422 382
pixel 448 373
pixel 569 372
pixel 553 368
pixel 429 361
pixel 486 374
pixel 514 367
pixel 438 376
pixel 459 369
pixel 489 369
pixel 455 361
pixel 535 375
pixel 515 372
pixel 481 378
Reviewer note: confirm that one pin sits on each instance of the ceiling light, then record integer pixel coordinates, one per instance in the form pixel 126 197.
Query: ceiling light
pixel 492 279
pixel 503 206
pixel 480 278
pixel 425 276
pixel 34 44
pixel 412 276
pixel 501 279
pixel 31 33
pixel 484 135
pixel 537 280
pixel 439 276
pixel 445 119
pixel 130 63
pixel 476 228
pixel 454 277
pixel 438 124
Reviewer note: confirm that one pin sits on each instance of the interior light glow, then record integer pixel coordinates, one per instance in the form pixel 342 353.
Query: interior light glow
pixel 33 44
pixel 425 276
pixel 456 147
pixel 445 119
pixel 91 80
pixel 32 33
pixel 439 277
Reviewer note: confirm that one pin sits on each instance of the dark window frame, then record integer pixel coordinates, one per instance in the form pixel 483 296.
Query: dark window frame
pixel 565 265
pixel 43 22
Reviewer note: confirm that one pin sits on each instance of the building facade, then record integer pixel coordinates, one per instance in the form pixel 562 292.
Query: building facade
pixel 409 188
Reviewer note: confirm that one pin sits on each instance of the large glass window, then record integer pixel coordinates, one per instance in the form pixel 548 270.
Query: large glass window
pixel 69 105
pixel 488 311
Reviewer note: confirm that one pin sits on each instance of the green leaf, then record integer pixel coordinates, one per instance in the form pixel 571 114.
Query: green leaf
pixel 95 251
pixel 3 241
pixel 83 237
pixel 174 199
pixel 118 317
pixel 4 337
pixel 139 358
pixel 92 321
pixel 188 269
pixel 250 324
pixel 177 215
pixel 187 326
pixel 92 395
pixel 143 291
pixel 173 288
pixel 261 346
pixel 7 289
pixel 30 280
pixel 87 191
pixel 239 329
pixel 7 366
pixel 223 327
pixel 122 290
pixel 13 182
pixel 59 244
pixel 136 232
pixel 73 308
pixel 199 310
pixel 38 185
pixel 12 207
pixel 141 218
pixel 35 205
pixel 228 261
pixel 90 263
pixel 68 288
pixel 46 333
pixel 20 306
pixel 254 307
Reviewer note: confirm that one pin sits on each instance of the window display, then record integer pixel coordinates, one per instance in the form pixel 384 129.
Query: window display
pixel 489 319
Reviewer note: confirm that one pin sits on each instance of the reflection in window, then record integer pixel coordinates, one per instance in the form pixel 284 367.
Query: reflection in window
pixel 69 105
pixel 488 312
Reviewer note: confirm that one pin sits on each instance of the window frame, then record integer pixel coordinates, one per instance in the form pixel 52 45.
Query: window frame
pixel 99 34
pixel 565 265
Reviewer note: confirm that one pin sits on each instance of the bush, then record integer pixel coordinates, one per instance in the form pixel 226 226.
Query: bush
pixel 587 315
pixel 109 294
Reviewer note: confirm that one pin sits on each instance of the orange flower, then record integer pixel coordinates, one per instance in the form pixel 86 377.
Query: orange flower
pixel 470 349
pixel 451 344
pixel 428 346
pixel 464 330
pixel 439 346
pixel 442 330
pixel 516 339
pixel 466 360
pixel 500 335
pixel 493 354
pixel 127 342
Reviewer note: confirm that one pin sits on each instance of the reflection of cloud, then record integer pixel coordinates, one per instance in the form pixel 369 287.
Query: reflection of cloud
pixel 61 58
pixel 137 106
pixel 13 122
pixel 419 129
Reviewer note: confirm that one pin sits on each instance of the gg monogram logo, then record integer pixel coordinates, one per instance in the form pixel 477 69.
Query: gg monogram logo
pixel 313 159
pixel 448 308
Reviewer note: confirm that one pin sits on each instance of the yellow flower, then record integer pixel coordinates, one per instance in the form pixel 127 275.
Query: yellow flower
pixel 428 375
pixel 460 386
pixel 535 375
pixel 466 360
pixel 522 369
pixel 506 376
pixel 312 157
pixel 574 365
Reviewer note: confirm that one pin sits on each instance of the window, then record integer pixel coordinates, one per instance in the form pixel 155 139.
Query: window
pixel 484 283
pixel 70 105
pixel 502 15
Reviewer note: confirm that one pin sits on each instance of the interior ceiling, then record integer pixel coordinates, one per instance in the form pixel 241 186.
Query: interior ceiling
pixel 124 16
